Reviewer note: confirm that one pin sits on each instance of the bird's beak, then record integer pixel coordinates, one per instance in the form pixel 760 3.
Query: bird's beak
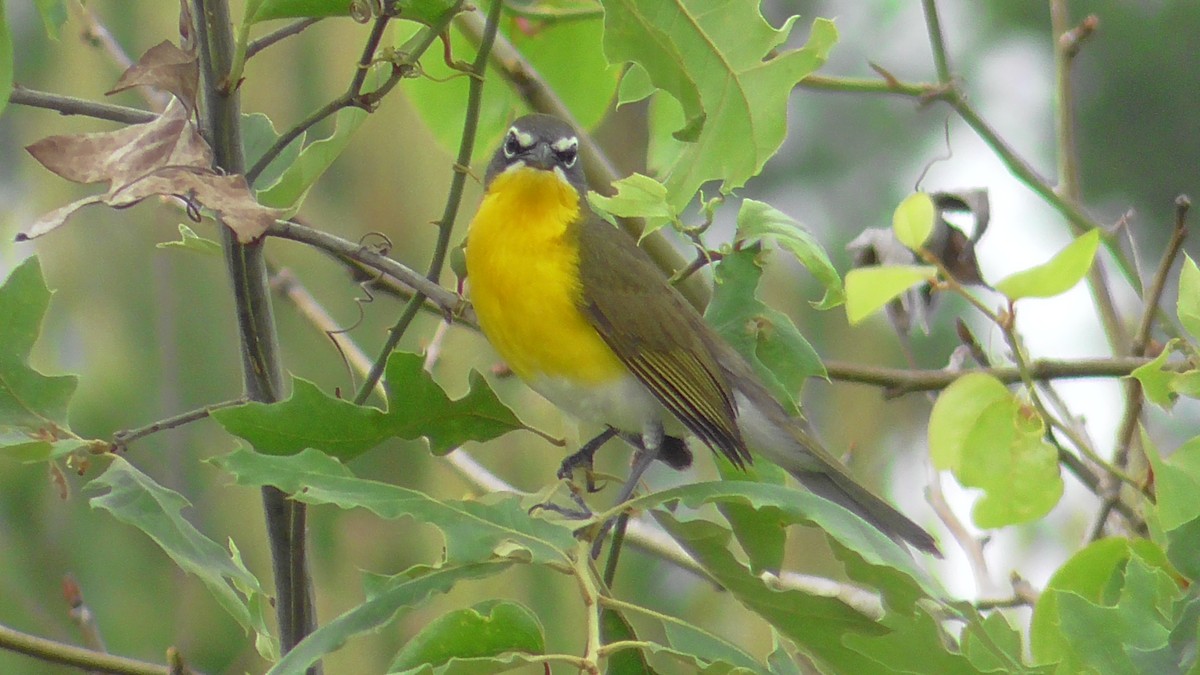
pixel 540 156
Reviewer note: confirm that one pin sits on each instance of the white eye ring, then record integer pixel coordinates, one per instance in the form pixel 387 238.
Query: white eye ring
pixel 512 145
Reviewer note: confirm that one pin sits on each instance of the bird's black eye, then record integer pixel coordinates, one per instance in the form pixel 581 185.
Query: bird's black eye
pixel 512 145
pixel 567 156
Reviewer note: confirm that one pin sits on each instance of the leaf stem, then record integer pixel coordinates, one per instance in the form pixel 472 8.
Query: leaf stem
pixel 294 28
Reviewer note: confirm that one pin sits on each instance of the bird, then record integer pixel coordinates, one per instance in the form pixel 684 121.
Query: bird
pixel 584 317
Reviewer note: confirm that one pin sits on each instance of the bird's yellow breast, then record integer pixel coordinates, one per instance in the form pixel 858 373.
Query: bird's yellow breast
pixel 523 268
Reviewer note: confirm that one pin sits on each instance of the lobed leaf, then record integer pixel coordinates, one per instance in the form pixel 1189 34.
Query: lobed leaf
pixel 475 530
pixel 724 64
pixel 388 597
pixel 33 404
pixel 764 336
pixel 135 499
pixel 165 67
pixel 758 220
pixel 416 407
pixel 190 241
pixel 637 196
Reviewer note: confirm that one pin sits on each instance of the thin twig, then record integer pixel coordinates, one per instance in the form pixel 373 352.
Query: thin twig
pixel 453 200
pixel 123 438
pixel 82 616
pixel 898 381
pixel 69 105
pixel 283 33
pixel 937 41
pixel 77 657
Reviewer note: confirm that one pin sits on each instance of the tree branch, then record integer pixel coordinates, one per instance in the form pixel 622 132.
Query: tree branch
pixel 261 367
pixel 69 105
pixel 899 381
pixel 273 37
pixel 76 657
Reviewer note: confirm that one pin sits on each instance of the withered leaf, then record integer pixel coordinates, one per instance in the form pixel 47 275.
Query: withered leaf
pixel 164 157
pixel 166 67
pixel 121 156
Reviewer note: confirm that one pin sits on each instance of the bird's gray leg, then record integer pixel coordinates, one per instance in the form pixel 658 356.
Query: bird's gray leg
pixel 652 440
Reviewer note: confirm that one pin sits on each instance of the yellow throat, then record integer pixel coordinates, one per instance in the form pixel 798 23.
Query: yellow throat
pixel 523 264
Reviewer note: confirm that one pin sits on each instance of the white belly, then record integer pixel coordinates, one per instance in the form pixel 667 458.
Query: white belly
pixel 624 404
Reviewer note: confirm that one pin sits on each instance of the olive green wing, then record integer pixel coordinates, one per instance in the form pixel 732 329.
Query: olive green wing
pixel 657 335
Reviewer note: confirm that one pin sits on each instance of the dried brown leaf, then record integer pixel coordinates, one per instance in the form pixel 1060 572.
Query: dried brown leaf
pixel 122 156
pixel 167 67
pixel 164 157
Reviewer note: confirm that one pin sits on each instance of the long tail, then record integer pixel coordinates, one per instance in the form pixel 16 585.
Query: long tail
pixel 769 430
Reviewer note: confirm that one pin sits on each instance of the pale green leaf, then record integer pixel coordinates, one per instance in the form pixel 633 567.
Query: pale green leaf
pixel 723 63
pixel 1188 305
pixel 489 628
pixel 956 413
pixel 637 196
pixel 913 220
pixel 294 183
pixel 474 530
pixel 766 337
pixel 133 498
pixel 1156 380
pixel 757 220
pixel 635 85
pixel 29 400
pixel 389 596
pixel 1006 455
pixel 258 135
pixel 870 289
pixel 190 241
pixel 1057 275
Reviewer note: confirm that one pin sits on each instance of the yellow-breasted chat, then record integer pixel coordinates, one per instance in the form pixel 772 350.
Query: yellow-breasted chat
pixel 583 316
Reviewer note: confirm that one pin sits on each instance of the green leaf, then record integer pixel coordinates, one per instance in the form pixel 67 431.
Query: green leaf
pixel 637 196
pixel 1156 381
pixel 915 644
pixel 1007 456
pixel 474 529
pixel 686 638
pixel 766 337
pixel 614 627
pixel 1093 574
pixel 29 400
pixel 1188 304
pixel 417 407
pixel 31 448
pixel 133 498
pixel 258 135
pixel 6 61
pixel 1176 511
pixel 1104 636
pixel 981 640
pixel 956 412
pixel 1055 276
pixel 635 85
pixel 913 220
pixel 869 289
pixel 54 15
pixel 190 241
pixel 758 220
pixel 566 54
pixel 817 624
pixel 868 554
pixel 488 628
pixel 760 531
pixel 423 11
pixel 725 66
pixel 387 598
pixel 294 182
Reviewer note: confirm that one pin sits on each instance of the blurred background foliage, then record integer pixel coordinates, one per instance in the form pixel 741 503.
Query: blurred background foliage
pixel 151 331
